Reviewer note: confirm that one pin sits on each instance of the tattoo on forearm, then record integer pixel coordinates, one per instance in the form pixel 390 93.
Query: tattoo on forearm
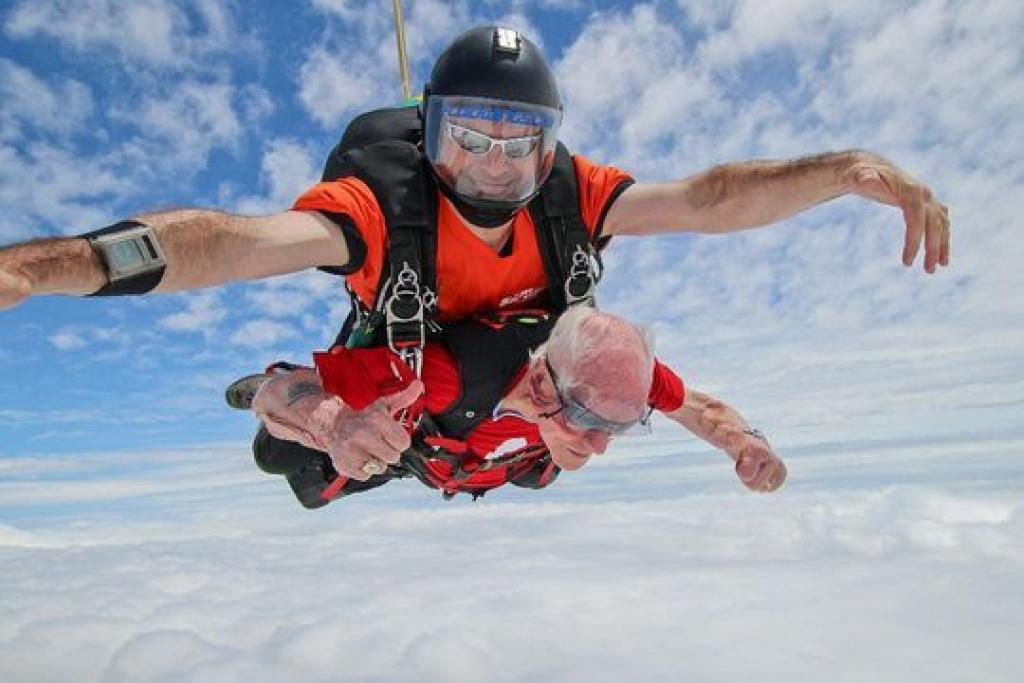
pixel 301 390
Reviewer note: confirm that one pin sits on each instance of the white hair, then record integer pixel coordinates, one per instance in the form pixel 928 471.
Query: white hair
pixel 585 339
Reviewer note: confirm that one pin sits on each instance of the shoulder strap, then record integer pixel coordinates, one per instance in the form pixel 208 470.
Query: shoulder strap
pixel 395 172
pixel 572 265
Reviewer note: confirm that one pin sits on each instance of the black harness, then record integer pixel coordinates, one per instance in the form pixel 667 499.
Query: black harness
pixel 383 149
pixel 490 356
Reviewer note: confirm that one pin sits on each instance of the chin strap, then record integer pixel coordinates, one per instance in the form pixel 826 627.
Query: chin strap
pixel 480 216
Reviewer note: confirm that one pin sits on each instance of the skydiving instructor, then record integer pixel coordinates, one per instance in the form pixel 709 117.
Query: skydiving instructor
pixel 490 118
pixel 484 182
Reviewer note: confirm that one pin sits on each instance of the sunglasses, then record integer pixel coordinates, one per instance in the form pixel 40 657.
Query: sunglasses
pixel 581 417
pixel 476 142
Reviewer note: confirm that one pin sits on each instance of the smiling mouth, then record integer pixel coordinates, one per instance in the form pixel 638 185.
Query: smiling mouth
pixel 493 186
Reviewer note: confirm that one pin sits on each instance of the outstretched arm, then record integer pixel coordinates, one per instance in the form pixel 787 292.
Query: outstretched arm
pixel 714 421
pixel 749 194
pixel 203 248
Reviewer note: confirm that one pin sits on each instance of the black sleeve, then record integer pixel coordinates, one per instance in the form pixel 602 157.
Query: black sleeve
pixel 353 240
pixel 600 240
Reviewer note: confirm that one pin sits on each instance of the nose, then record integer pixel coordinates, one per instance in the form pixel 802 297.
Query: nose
pixel 495 156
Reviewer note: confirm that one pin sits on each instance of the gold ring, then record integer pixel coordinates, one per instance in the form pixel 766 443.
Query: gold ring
pixel 373 467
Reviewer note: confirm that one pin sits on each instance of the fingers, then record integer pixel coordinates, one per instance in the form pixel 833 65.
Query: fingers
pixel 394 440
pixel 777 477
pixel 944 246
pixel 376 437
pixel 928 221
pixel 915 216
pixel 760 470
pixel 404 398
pixel 352 461
pixel 354 437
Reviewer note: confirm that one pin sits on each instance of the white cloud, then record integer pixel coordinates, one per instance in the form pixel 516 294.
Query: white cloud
pixel 293 295
pixel 179 126
pixel 46 185
pixel 203 312
pixel 32 102
pixel 333 86
pixel 345 9
pixel 67 340
pixel 157 33
pixel 60 186
pixel 262 333
pixel 617 62
pixel 288 168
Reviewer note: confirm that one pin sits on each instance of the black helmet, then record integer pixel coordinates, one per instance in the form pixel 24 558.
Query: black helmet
pixel 491 88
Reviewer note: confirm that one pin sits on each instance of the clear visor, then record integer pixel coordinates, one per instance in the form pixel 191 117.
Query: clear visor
pixel 490 150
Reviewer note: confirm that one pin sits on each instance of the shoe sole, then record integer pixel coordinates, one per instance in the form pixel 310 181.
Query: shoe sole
pixel 240 393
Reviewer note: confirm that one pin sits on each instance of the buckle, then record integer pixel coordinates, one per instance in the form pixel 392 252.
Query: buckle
pixel 583 276
pixel 404 318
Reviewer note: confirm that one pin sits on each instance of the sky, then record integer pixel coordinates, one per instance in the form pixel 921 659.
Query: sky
pixel 138 541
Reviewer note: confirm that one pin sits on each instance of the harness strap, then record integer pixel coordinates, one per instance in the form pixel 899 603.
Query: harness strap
pixel 404 188
pixel 571 263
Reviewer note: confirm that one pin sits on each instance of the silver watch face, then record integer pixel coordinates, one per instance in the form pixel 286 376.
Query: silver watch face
pixel 125 255
pixel 130 252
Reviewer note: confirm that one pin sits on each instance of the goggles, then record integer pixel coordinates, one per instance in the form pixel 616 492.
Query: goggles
pixel 581 417
pixel 478 143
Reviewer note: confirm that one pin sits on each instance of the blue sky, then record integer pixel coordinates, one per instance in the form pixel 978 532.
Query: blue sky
pixel 896 397
pixel 238 106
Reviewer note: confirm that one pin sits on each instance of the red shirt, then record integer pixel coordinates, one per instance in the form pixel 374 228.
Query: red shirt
pixel 472 278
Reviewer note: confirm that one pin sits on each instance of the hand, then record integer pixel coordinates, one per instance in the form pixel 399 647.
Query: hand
pixel 14 288
pixel 758 467
pixel 872 177
pixel 355 437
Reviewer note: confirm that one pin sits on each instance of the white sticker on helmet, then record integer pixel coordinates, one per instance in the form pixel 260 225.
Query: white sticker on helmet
pixel 507 40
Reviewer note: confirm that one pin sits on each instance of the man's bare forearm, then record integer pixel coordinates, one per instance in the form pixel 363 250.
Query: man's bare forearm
pixel 202 247
pixel 733 196
pixel 195 244
pixel 753 193
pixel 66 265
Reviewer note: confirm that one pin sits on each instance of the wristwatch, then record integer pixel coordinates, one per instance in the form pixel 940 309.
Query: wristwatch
pixel 756 433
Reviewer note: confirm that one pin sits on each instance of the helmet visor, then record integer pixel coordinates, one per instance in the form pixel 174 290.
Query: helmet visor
pixel 490 150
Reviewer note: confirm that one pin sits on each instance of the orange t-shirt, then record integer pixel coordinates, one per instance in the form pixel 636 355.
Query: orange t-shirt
pixel 471 277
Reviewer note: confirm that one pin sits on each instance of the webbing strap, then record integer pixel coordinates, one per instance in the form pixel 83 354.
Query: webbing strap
pixel 571 264
pixel 395 173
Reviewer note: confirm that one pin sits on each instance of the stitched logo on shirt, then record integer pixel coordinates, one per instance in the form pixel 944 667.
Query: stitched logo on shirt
pixel 521 298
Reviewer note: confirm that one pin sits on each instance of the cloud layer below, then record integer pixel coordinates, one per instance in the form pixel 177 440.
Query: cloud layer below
pixel 877 562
